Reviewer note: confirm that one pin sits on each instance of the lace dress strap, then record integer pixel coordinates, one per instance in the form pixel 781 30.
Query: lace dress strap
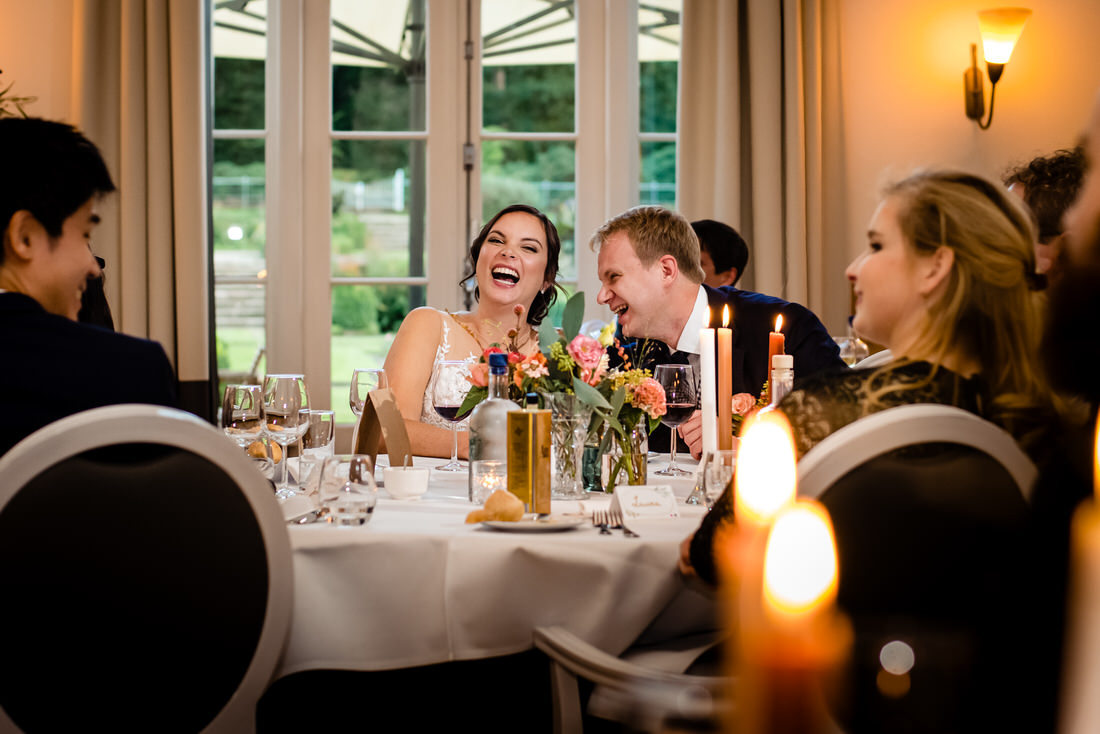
pixel 442 352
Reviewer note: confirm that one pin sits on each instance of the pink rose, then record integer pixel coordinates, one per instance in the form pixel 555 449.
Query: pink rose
pixel 586 351
pixel 479 374
pixel 743 402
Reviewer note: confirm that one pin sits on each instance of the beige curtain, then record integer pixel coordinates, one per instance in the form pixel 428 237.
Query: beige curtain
pixel 138 94
pixel 761 141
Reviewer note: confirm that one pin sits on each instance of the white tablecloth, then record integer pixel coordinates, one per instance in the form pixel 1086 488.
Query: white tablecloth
pixel 417 586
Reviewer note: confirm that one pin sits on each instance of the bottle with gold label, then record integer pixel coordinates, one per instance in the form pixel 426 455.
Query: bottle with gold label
pixel 529 445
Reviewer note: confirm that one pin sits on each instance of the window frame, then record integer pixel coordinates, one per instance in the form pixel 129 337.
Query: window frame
pixel 298 137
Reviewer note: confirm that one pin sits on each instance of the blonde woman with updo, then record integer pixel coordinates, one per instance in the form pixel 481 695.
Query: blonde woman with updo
pixel 947 283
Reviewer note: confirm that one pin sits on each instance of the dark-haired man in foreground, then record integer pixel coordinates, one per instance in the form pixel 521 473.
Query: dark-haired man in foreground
pixel 50 365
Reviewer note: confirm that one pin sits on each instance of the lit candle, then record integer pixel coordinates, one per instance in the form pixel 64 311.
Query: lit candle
pixel 1081 706
pixel 725 382
pixel 766 477
pixel 797 638
pixel 776 345
pixel 708 388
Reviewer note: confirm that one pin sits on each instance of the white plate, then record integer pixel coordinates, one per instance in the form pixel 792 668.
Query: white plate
pixel 531 524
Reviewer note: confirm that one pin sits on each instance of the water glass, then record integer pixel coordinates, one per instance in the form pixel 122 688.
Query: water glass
pixel 718 468
pixel 350 502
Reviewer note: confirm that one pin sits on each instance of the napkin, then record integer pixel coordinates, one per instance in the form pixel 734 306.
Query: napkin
pixel 297 506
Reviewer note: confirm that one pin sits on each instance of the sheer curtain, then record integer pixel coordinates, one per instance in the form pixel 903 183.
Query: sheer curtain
pixel 761 144
pixel 138 93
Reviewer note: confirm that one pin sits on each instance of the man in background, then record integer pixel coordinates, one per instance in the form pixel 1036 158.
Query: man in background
pixel 1048 185
pixel 53 366
pixel 723 253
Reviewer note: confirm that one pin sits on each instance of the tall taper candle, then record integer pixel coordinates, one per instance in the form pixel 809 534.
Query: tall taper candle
pixel 725 382
pixel 708 389
pixel 777 342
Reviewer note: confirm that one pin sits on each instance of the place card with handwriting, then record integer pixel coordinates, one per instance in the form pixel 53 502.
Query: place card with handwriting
pixel 645 501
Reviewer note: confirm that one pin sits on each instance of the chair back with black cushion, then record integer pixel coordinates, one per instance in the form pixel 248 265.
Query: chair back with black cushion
pixel 146 576
pixel 934 545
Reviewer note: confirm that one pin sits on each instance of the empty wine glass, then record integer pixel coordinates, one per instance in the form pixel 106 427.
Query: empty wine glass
pixel 718 469
pixel 678 380
pixel 286 401
pixel 448 390
pixel 317 440
pixel 243 413
pixel 364 380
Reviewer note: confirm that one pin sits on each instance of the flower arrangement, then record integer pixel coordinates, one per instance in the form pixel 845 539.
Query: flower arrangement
pixel 575 363
pixel 746 404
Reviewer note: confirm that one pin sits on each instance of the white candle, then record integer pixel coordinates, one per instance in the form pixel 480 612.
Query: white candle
pixel 708 399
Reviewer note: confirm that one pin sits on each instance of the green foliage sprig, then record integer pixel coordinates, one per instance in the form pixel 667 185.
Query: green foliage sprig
pixel 11 105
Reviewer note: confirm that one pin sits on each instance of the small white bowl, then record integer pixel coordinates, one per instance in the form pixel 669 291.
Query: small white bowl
pixel 405 482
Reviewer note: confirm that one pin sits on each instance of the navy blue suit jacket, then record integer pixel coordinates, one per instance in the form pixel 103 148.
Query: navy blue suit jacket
pixel 51 367
pixel 752 318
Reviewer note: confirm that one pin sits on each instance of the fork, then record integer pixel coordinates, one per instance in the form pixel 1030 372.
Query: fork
pixel 600 520
pixel 615 520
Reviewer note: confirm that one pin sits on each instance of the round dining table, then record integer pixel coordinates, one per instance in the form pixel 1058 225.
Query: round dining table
pixel 417 585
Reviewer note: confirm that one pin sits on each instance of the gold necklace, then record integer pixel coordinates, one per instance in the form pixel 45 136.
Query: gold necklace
pixel 481 345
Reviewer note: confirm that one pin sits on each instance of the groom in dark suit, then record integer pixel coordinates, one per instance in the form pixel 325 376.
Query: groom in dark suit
pixel 648 261
pixel 50 365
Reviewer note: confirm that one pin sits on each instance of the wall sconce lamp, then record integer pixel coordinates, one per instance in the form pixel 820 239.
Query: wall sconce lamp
pixel 1001 28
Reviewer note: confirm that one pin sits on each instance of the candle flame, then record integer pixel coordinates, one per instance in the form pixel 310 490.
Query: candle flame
pixel 800 565
pixel 1096 461
pixel 779 322
pixel 766 477
pixel 725 316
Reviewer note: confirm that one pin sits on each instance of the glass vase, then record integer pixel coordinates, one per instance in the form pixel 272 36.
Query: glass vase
pixel 569 419
pixel 626 459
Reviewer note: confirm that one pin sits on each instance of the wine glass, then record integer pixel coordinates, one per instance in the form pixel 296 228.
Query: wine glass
pixel 351 502
pixel 317 440
pixel 363 380
pixel 718 469
pixel 448 390
pixel 286 401
pixel 678 380
pixel 243 413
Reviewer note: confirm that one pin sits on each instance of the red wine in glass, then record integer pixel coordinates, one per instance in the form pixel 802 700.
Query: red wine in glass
pixel 448 412
pixel 677 413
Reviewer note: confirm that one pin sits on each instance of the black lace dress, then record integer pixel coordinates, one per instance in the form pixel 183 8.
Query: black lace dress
pixel 831 400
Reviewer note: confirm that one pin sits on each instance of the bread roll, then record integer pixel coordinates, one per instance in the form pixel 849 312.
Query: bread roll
pixel 501 505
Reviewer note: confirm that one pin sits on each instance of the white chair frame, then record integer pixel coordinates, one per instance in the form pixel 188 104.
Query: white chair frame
pixel 572 658
pixel 134 423
pixel 904 425
pixel 877 359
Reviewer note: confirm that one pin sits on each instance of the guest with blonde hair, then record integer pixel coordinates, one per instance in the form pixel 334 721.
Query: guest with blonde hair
pixel 948 284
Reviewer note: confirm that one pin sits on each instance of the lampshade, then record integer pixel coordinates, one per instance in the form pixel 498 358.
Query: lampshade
pixel 1001 28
